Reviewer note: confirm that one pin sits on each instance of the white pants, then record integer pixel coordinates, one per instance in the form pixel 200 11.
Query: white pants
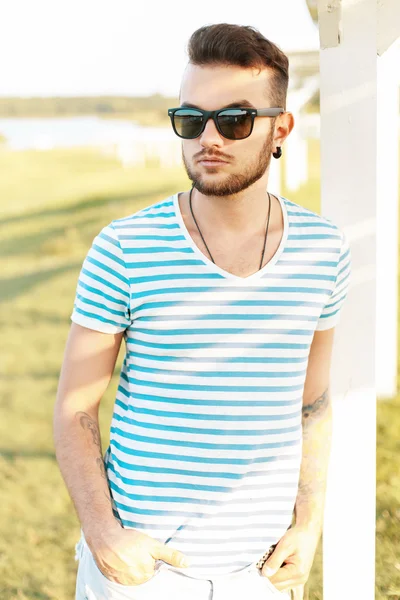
pixel 168 584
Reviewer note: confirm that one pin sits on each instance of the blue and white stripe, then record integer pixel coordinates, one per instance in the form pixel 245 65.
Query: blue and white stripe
pixel 205 441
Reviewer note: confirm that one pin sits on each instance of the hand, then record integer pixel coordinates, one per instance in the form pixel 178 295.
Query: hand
pixel 127 556
pixel 290 563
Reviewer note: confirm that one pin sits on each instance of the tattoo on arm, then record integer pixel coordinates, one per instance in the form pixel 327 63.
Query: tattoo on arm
pixel 87 422
pixel 316 408
pixel 90 424
pixel 308 488
pixel 100 463
pixel 316 437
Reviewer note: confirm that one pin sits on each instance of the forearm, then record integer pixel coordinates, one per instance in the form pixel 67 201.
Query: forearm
pixel 79 456
pixel 317 435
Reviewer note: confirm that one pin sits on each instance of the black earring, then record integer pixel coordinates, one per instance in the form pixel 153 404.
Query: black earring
pixel 278 152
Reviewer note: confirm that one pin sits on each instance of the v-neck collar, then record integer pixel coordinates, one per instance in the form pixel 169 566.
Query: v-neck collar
pixel 226 274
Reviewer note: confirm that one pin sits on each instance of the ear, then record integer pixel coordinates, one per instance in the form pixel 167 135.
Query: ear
pixel 283 126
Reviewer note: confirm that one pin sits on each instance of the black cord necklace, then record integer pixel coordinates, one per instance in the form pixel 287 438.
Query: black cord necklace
pixel 266 230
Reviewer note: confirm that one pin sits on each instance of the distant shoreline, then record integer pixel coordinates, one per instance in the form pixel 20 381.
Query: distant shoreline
pixel 134 118
pixel 144 110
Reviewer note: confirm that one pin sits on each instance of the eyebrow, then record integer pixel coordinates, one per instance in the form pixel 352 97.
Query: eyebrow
pixel 238 103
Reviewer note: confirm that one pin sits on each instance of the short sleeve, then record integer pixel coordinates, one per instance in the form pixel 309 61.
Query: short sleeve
pixel 330 315
pixel 102 300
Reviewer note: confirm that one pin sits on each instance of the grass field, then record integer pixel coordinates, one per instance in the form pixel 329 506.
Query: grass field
pixel 52 204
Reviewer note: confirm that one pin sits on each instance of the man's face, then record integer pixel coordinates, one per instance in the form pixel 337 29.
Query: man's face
pixel 212 88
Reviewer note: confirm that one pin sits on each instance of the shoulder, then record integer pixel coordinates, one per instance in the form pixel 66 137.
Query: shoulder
pixel 300 217
pixel 115 232
pixel 163 208
pixel 111 238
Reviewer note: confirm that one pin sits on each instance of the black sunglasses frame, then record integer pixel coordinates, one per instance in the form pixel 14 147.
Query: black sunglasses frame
pixel 213 114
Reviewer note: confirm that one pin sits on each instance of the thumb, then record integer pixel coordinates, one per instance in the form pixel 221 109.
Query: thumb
pixel 275 561
pixel 171 556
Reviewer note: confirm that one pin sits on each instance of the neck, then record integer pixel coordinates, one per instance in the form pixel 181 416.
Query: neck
pixel 237 214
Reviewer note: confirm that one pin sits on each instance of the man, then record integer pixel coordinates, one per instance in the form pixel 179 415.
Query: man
pixel 227 298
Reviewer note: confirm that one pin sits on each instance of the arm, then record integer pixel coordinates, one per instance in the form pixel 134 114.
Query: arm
pixel 317 431
pixel 290 563
pixel 125 556
pixel 101 314
pixel 87 368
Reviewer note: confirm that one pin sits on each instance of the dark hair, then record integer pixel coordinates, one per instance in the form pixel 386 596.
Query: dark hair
pixel 244 46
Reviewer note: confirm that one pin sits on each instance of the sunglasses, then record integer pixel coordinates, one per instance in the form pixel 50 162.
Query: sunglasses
pixel 232 123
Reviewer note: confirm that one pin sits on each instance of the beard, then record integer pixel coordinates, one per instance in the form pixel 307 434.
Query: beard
pixel 236 182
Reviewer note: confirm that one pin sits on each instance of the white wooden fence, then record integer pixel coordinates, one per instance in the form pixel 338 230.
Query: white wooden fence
pixel 360 194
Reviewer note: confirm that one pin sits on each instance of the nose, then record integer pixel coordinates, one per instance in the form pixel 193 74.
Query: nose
pixel 211 136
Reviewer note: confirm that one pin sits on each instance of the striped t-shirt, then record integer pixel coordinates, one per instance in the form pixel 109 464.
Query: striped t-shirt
pixel 206 439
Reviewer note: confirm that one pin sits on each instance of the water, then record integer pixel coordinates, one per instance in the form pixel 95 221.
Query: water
pixel 49 133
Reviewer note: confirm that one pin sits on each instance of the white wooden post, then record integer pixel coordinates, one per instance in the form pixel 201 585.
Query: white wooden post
pixel 387 222
pixel 296 166
pixel 348 73
pixel 296 146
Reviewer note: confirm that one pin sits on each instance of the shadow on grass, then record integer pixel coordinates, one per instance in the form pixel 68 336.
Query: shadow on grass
pixel 32 243
pixel 33 319
pixel 84 204
pixel 38 375
pixel 11 455
pixel 17 286
pixel 15 593
pixel 38 318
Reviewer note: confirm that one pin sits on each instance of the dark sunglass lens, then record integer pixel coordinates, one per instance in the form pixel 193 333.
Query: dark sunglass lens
pixel 188 122
pixel 235 123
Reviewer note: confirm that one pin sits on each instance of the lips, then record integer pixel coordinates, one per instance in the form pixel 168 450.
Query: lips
pixel 212 159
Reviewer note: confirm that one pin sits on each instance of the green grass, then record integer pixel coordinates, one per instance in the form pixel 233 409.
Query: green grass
pixel 52 205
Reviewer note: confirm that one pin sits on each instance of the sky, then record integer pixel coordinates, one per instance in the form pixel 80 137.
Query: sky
pixel 125 47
